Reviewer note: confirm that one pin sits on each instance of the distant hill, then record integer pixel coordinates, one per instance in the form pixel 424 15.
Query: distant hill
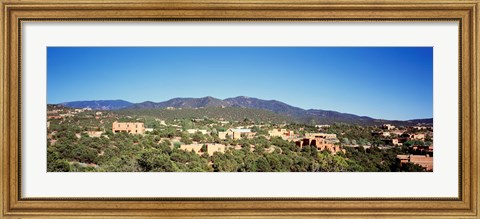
pixel 181 103
pixel 271 105
pixel 227 113
pixel 99 104
pixel 56 107
pixel 313 116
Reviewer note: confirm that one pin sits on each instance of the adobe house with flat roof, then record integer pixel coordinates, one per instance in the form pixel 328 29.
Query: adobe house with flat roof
pixel 283 133
pixel 418 136
pixel 236 133
pixel 197 148
pixel 329 138
pixel 320 143
pixel 193 131
pixel 128 127
pixel 388 126
pixel 423 160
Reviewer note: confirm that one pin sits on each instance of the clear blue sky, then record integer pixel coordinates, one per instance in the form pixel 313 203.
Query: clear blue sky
pixel 380 82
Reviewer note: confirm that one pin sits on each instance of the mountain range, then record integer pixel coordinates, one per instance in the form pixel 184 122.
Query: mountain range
pixel 99 104
pixel 316 115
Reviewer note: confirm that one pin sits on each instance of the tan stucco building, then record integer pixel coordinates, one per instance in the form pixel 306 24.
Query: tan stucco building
pixel 320 143
pixel 129 127
pixel 236 133
pixel 420 136
pixel 329 138
pixel 197 148
pixel 283 133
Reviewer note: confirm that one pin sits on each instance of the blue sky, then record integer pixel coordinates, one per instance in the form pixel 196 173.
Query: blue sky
pixel 380 82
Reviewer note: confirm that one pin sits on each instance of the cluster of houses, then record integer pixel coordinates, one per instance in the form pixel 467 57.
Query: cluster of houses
pixel 389 134
pixel 418 154
pixel 322 141
pixel 63 113
pixel 392 136
pixel 421 155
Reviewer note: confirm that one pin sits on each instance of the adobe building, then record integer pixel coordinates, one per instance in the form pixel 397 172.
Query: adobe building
pixel 283 133
pixel 236 133
pixel 397 132
pixel 417 136
pixel 197 148
pixel 223 135
pixel 388 126
pixel 212 148
pixel 193 131
pixel 421 150
pixel 321 135
pixel 423 160
pixel 393 141
pixel 420 127
pixel 192 147
pixel 320 143
pixel 128 127
pixel 329 138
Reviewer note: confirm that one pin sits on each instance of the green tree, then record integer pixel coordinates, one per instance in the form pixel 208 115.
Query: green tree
pixel 411 167
pixel 153 161
pixel 263 165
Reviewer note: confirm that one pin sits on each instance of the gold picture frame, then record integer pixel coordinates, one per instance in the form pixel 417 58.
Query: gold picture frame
pixel 14 12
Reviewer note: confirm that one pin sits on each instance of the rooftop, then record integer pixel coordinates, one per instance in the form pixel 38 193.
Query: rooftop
pixel 241 130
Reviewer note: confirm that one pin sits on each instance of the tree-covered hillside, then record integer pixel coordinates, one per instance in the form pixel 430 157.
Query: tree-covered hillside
pixel 228 114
